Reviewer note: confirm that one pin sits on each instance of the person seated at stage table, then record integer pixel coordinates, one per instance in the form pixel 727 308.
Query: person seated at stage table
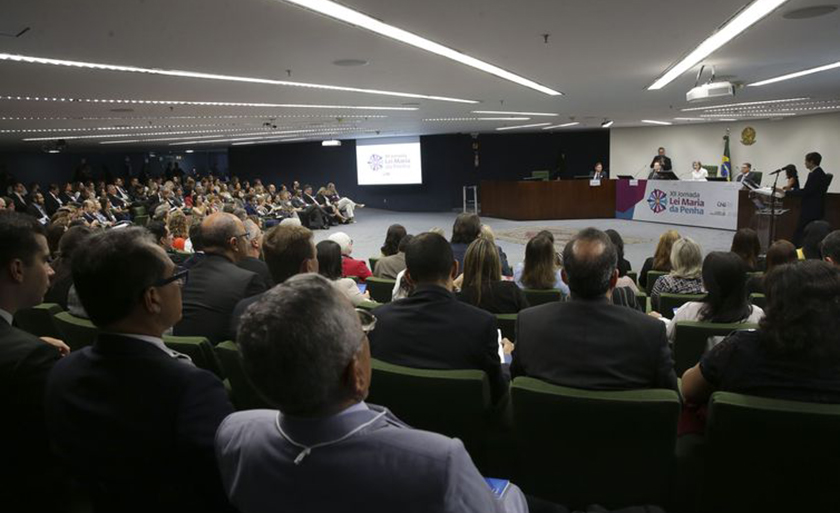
pixel 812 239
pixel 329 266
pixel 698 173
pixel 726 301
pixel 779 253
pixel 661 259
pixel 482 284
pixel 746 245
pixel 540 270
pixel 795 353
pixel 747 176
pixel 662 159
pixel 792 177
pixel 349 265
pixel 598 173
pixel 657 173
pixel 686 271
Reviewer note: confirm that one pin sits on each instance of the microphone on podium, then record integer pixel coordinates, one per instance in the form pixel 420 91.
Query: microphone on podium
pixel 780 170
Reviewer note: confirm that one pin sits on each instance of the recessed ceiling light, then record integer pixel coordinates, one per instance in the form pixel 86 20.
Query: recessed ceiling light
pixel 347 15
pixel 110 128
pixel 655 122
pixel 607 124
pixel 743 20
pixel 350 63
pixel 203 104
pixel 147 134
pixel 727 119
pixel 742 104
pixel 798 74
pixel 564 125
pixel 522 126
pixel 189 151
pixel 331 142
pixel 213 76
pixel 805 13
pixel 513 113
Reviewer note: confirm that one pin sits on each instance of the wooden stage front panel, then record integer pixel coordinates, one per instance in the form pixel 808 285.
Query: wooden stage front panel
pixel 564 199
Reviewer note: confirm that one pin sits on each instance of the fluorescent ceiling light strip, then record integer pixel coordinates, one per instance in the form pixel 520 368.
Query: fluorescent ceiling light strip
pixel 752 114
pixel 479 119
pixel 727 119
pixel 243 116
pixel 190 137
pixel 798 74
pixel 655 122
pixel 511 113
pixel 564 125
pixel 268 141
pixel 743 20
pixel 237 139
pixel 256 135
pixel 109 128
pixel 347 15
pixel 689 119
pixel 152 134
pixel 213 76
pixel 522 126
pixel 762 102
pixel 201 103
pixel 607 124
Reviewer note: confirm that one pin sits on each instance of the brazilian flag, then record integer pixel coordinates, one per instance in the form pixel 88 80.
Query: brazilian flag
pixel 726 166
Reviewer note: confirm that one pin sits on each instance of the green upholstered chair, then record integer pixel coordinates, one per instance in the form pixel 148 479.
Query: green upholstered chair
pixel 667 302
pixel 771 455
pixel 141 220
pixel 538 297
pixel 507 323
pixel 243 393
pixel 759 300
pixel 713 170
pixel 380 289
pixel 644 301
pixel 652 276
pixel 38 320
pixel 369 305
pixel 633 275
pixel 540 175
pixel 372 261
pixel 691 339
pixel 455 403
pixel 198 349
pixel 76 331
pixel 139 211
pixel 579 447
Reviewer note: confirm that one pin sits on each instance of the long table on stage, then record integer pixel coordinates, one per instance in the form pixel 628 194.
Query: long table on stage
pixel 564 199
pixel 786 223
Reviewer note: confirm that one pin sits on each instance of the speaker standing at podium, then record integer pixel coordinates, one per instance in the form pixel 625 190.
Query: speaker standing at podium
pixel 813 195
pixel 664 162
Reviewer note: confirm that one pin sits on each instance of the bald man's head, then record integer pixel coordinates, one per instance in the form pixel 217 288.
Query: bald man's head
pixel 224 233
pixel 590 260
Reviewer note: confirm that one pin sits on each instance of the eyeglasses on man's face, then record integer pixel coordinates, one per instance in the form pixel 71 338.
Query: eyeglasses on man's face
pixel 180 277
pixel 367 319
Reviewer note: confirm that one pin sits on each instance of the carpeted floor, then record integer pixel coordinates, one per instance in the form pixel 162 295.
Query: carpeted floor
pixel 640 238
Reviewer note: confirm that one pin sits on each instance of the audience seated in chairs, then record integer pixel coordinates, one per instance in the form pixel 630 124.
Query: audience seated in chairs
pixel 466 228
pixel 796 352
pixel 812 239
pixel 349 265
pixel 540 271
pixel 60 285
pixel 431 329
pixel 482 284
pixel 726 301
pixel 779 253
pixel 830 249
pixel 746 245
pixel 253 251
pixel 345 205
pixel 216 284
pixel 26 465
pixel 587 342
pixel 393 237
pixel 685 275
pixel 661 259
pixel 163 237
pixel 329 266
pixel 132 420
pixel 391 266
pixel 625 290
pixel 318 375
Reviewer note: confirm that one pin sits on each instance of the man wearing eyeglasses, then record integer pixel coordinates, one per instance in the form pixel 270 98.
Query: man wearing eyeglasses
pixel 216 283
pixel 132 420
pixel 324 448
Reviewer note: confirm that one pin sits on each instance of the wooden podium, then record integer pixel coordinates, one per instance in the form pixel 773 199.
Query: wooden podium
pixel 564 199
pixel 786 223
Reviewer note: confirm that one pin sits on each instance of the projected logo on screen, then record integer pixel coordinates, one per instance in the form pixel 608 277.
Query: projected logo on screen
pixel 658 201
pixel 376 162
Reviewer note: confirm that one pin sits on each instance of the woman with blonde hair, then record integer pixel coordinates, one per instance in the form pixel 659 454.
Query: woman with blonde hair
pixel 686 276
pixel 661 259
pixel 540 270
pixel 482 281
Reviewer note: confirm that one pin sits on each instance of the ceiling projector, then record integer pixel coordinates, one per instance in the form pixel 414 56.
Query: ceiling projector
pixel 709 91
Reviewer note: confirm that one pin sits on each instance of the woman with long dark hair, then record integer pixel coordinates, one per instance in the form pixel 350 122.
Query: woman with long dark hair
pixel 483 286
pixel 746 245
pixel 329 266
pixel 465 229
pixel 392 240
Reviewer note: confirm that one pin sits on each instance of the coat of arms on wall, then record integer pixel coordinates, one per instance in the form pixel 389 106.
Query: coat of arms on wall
pixel 748 136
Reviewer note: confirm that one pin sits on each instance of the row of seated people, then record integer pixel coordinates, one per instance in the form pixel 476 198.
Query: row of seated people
pixel 135 424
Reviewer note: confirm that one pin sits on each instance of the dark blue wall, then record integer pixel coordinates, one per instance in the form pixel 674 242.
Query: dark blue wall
pixel 448 164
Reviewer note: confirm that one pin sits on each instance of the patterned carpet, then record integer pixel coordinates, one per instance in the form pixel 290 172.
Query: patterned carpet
pixel 562 235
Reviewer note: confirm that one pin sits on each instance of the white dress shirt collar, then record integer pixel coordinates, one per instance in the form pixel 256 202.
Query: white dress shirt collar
pixel 6 316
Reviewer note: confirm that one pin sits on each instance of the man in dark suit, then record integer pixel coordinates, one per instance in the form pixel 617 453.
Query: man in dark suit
pixel 431 329
pixel 747 175
pixel 216 284
pixel 37 209
pixel 26 465
pixel 288 250
pixel 253 250
pixel 588 342
pixel 598 173
pixel 813 195
pixel 664 161
pixel 52 201
pixel 133 420
pixel 19 197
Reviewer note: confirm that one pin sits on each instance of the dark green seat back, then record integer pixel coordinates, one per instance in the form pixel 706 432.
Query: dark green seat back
pixel 198 349
pixel 38 320
pixel 690 340
pixel 243 393
pixel 138 211
pixel 76 332
pixel 455 403
pixel 507 323
pixel 771 455
pixel 580 447
pixel 633 276
pixel 369 305
pixel 372 261
pixel 652 276
pixel 141 220
pixel 759 300
pixel 538 297
pixel 381 289
pixel 667 302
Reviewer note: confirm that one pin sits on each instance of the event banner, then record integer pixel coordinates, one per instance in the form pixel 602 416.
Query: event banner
pixel 706 204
